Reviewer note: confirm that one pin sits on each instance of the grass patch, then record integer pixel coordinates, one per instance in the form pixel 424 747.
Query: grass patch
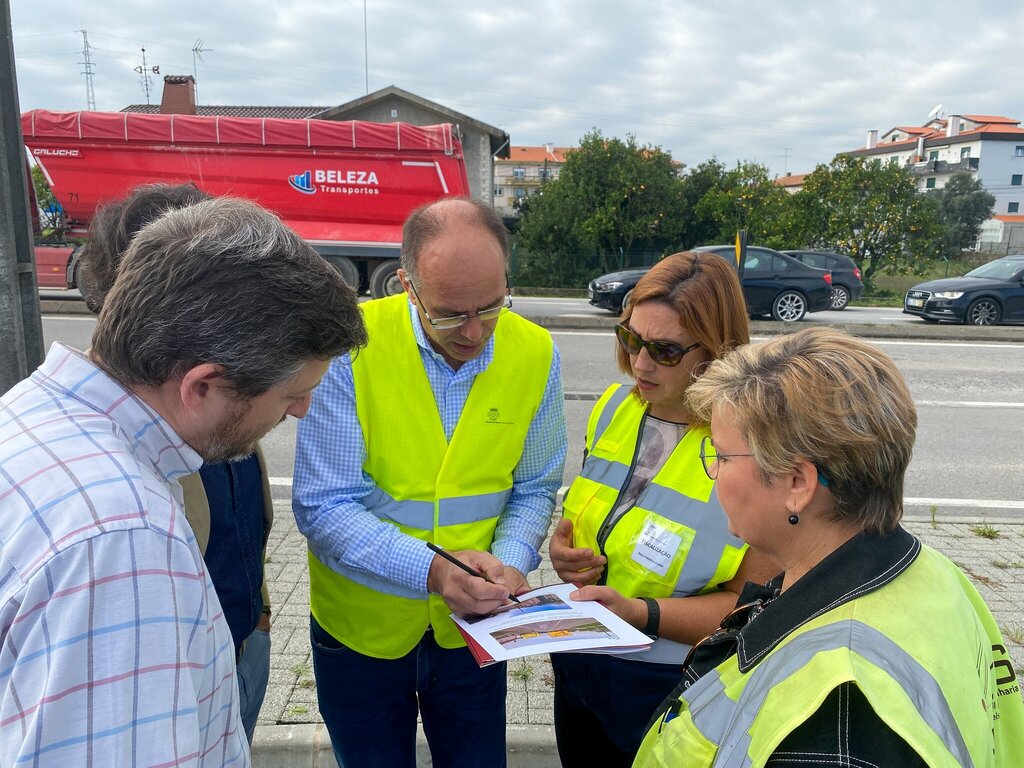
pixel 298 709
pixel 1007 565
pixel 302 669
pixel 934 509
pixel 1014 634
pixel 523 673
pixel 985 531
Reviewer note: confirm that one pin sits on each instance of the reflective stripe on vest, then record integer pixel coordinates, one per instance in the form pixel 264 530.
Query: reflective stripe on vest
pixel 950 693
pixel 728 723
pixel 448 492
pixel 678 505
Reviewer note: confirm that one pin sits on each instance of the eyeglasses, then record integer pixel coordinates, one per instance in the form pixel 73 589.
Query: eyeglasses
pixel 662 352
pixel 457 321
pixel 710 458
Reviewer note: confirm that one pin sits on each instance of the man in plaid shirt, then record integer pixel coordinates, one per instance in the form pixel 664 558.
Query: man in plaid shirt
pixel 113 646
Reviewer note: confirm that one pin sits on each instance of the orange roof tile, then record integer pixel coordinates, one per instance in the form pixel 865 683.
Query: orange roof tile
pixel 1010 218
pixel 992 119
pixel 536 154
pixel 792 180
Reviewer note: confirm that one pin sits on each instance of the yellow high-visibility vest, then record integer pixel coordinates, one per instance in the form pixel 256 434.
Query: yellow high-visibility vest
pixel 675 540
pixel 449 494
pixel 924 650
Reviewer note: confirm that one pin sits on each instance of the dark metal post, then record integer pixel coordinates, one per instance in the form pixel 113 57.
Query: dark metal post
pixel 21 330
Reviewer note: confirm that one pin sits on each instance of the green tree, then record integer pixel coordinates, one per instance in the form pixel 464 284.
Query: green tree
pixel 963 206
pixel 871 211
pixel 745 197
pixel 613 199
pixel 45 199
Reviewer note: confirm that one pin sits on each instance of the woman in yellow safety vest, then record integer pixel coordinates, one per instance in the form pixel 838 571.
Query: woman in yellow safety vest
pixel 869 648
pixel 642 524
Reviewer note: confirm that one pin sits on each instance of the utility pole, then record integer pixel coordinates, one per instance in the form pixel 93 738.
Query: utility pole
pixel 90 94
pixel 21 330
pixel 366 50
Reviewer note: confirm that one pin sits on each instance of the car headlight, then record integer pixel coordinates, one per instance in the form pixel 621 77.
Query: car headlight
pixel 605 287
pixel 948 294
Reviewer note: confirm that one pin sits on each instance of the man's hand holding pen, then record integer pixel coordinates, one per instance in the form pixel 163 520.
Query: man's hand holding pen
pixel 469 595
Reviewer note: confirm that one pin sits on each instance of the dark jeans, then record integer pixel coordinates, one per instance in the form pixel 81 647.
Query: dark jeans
pixel 603 705
pixel 369 705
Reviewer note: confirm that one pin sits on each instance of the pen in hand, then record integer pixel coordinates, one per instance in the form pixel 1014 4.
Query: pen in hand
pixel 471 571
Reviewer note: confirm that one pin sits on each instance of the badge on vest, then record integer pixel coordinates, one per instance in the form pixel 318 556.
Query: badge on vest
pixel 656 548
pixel 494 417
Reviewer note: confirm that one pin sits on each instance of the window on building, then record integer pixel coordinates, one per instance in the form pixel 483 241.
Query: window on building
pixel 933 154
pixel 1015 180
pixel 1019 152
pixel 518 173
pixel 499 191
pixel 519 192
pixel 1013 207
pixel 965 152
pixel 929 183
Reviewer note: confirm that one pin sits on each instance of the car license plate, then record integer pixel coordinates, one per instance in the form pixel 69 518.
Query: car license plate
pixel 915 302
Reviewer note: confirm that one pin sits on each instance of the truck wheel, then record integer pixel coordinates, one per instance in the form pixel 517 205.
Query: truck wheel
pixel 347 269
pixel 384 281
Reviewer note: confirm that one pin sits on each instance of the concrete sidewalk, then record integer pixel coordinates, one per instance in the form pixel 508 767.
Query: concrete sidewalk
pixel 291 733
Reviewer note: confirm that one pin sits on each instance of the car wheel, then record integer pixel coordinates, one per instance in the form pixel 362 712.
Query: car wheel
pixel 789 306
pixel 347 269
pixel 983 312
pixel 625 301
pixel 840 297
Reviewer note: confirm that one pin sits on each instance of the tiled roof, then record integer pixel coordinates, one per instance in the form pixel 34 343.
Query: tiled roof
pixel 991 119
pixel 792 180
pixel 229 111
pixel 1010 218
pixel 536 154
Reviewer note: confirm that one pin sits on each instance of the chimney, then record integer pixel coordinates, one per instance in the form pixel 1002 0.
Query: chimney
pixel 179 96
pixel 920 148
pixel 952 126
pixel 872 138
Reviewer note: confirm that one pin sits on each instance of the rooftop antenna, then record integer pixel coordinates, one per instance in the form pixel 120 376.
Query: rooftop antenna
pixel 144 71
pixel 936 111
pixel 90 94
pixel 785 160
pixel 198 50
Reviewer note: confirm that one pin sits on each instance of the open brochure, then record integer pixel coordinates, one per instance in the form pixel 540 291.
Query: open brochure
pixel 546 621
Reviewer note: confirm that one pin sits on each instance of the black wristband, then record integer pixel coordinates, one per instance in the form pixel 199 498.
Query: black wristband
pixel 653 617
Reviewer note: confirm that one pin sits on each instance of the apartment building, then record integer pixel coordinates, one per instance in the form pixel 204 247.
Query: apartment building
pixel 523 172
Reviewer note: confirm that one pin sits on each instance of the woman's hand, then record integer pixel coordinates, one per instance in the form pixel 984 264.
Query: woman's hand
pixel 631 610
pixel 573 564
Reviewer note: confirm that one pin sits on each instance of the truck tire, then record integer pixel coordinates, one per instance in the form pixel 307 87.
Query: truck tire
pixel 384 281
pixel 347 269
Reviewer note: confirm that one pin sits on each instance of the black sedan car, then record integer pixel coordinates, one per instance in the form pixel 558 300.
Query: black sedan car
pixel 990 294
pixel 846 283
pixel 773 284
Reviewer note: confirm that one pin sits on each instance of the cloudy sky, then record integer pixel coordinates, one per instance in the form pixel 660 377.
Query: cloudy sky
pixel 786 84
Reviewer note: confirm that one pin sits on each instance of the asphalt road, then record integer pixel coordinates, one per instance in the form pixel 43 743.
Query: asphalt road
pixel 970 399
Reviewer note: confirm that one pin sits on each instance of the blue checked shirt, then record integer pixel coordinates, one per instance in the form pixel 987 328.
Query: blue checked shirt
pixel 330 483
pixel 113 647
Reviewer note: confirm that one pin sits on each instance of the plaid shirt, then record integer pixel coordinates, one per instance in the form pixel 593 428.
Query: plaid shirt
pixel 113 645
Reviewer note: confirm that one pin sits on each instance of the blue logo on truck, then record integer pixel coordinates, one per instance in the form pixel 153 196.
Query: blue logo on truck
pixel 303 182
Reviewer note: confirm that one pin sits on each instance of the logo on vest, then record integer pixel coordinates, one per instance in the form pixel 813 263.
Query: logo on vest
pixel 494 417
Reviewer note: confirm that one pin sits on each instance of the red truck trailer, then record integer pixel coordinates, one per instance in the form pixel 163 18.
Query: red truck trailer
pixel 346 187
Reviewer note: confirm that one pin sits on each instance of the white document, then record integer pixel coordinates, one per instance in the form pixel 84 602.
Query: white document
pixel 547 621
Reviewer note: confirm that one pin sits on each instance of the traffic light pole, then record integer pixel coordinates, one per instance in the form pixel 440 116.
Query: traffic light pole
pixel 21 330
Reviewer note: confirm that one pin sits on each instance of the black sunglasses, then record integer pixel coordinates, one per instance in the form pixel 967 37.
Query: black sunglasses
pixel 662 352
